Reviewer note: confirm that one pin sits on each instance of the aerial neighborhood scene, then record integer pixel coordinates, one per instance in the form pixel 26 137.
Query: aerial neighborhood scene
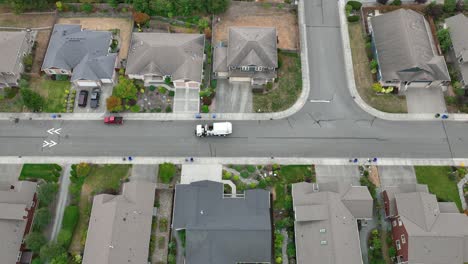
pixel 234 131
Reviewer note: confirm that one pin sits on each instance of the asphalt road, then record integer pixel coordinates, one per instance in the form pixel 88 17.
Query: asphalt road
pixel 336 129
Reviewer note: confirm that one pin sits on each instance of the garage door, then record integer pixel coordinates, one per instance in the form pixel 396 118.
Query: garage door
pixel 240 79
pixel 87 84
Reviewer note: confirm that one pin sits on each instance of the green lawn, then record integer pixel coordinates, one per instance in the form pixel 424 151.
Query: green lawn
pixel 102 178
pixel 288 175
pixel 439 183
pixel 284 93
pixel 53 93
pixel 48 172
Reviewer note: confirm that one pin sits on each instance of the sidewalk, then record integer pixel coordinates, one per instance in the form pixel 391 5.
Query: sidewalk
pixel 62 201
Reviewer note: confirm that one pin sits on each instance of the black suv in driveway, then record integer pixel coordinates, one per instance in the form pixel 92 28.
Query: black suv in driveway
pixel 95 95
pixel 83 98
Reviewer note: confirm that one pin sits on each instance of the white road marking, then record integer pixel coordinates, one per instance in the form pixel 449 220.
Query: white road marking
pixel 320 101
pixel 48 144
pixel 53 130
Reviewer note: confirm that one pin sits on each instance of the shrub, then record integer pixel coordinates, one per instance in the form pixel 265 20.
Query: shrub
pixel 152 88
pixel 50 251
pixel 235 178
pixel 46 193
pixel 171 93
pixel 87 8
pixel 135 108
pixel 244 174
pixel 205 109
pixel 203 23
pixel 32 100
pixel 443 35
pixel 140 18
pixel 162 90
pixel 356 5
pixel 167 80
pixel 396 3
pixel 166 172
pixel 348 9
pixel 162 225
pixel 168 109
pixel 435 10
pixel 251 168
pixel 227 175
pixel 34 241
pixel 352 19
pixel 59 6
pixel 64 238
pixel 383 2
pixel 71 216
pixel 41 219
pixel 114 104
pixel 377 87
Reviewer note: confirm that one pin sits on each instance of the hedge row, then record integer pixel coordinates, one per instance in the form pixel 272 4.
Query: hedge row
pixel 353 19
pixel 69 222
pixel 355 4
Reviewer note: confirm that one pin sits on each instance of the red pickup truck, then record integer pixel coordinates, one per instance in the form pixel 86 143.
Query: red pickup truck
pixel 113 120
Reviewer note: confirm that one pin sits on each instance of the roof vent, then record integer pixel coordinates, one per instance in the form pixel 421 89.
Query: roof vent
pixel 323 230
pixel 201 212
pixel 323 242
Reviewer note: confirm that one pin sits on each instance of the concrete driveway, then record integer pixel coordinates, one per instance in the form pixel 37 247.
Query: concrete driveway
pixel 187 100
pixel 9 173
pixel 348 174
pixel 395 175
pixel 233 97
pixel 106 91
pixel 425 100
pixel 144 173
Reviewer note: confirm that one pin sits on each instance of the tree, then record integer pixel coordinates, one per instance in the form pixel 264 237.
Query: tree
pixel 216 6
pixel 435 10
pixel 34 241
pixel 125 89
pixel 113 3
pixel 450 5
pixel 140 18
pixel 383 2
pixel 421 1
pixel 141 6
pixel 203 23
pixel 41 219
pixel 32 100
pixel 51 251
pixel 114 104
pixel 59 5
pixel 443 35
pixel 46 193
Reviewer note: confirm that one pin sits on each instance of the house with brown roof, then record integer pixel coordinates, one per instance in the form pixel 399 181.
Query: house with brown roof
pixel 17 205
pixel 120 226
pixel 423 229
pixel 326 228
pixel 250 56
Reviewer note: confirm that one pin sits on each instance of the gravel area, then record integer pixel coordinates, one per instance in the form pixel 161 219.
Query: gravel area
pixel 164 211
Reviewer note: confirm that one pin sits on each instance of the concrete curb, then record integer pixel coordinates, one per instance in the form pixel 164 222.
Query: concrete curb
pixel 234 160
pixel 352 83
pixel 192 116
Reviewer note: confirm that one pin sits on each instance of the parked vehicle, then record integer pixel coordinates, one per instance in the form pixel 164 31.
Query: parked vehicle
pixel 83 98
pixel 118 120
pixel 215 129
pixel 95 95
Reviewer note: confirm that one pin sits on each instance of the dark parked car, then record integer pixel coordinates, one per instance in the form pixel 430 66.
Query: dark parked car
pixel 83 98
pixel 95 95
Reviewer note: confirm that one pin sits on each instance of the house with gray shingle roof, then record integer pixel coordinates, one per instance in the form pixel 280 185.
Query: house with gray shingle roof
pixel 405 51
pixel 326 214
pixel 220 228
pixel 458 28
pixel 14 46
pixel 251 55
pixel 155 56
pixel 17 205
pixel 423 229
pixel 120 225
pixel 84 55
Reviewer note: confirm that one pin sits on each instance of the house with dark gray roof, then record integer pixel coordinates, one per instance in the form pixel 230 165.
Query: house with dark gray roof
pixel 250 55
pixel 120 225
pixel 458 28
pixel 405 51
pixel 153 57
pixel 423 229
pixel 223 229
pixel 326 228
pixel 14 46
pixel 17 206
pixel 84 55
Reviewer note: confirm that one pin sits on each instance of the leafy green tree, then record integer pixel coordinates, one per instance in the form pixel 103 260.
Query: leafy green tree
pixel 114 104
pixel 216 6
pixel 125 89
pixel 46 193
pixel 141 6
pixel 203 23
pixel 450 5
pixel 41 219
pixel 34 241
pixel 32 100
pixel 87 7
pixel 64 238
pixel 113 3
pixel 61 259
pixel 50 251
pixel 443 35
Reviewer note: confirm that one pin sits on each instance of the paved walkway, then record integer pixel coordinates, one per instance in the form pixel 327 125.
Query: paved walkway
pixel 144 173
pixel 460 191
pixel 9 173
pixel 230 160
pixel 333 173
pixel 284 248
pixel 62 201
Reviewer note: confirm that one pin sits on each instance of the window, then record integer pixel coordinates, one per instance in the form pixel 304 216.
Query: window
pixel 63 71
pixel 398 245
pixel 323 230
pixel 244 68
pixel 400 223
pixel 460 60
pixel 259 68
pixel 323 242
pixel 394 223
pixel 403 239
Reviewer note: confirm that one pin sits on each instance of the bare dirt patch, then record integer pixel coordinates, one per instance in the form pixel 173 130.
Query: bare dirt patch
pixel 27 20
pixel 104 23
pixel 243 14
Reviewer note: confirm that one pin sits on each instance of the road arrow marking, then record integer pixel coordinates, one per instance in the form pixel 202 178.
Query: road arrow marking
pixel 49 144
pixel 53 130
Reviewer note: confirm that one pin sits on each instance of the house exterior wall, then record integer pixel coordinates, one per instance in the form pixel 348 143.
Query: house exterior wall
pixel 386 203
pixel 400 236
pixel 29 222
